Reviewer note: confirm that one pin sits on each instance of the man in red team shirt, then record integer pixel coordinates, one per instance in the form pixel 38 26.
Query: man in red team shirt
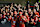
pixel 22 20
pixel 26 23
pixel 13 19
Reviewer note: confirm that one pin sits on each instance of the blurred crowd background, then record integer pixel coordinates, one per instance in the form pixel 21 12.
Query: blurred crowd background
pixel 20 13
pixel 23 2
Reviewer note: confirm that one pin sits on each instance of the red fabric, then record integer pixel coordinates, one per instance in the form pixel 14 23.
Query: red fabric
pixel 22 25
pixel 37 13
pixel 9 19
pixel 17 16
pixel 35 18
pixel 39 21
pixel 13 25
pixel 29 13
pixel 32 6
pixel 15 12
pixel 28 18
pixel 18 19
pixel 6 13
pixel 20 13
pixel 34 23
pixel 0 17
pixel 24 19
